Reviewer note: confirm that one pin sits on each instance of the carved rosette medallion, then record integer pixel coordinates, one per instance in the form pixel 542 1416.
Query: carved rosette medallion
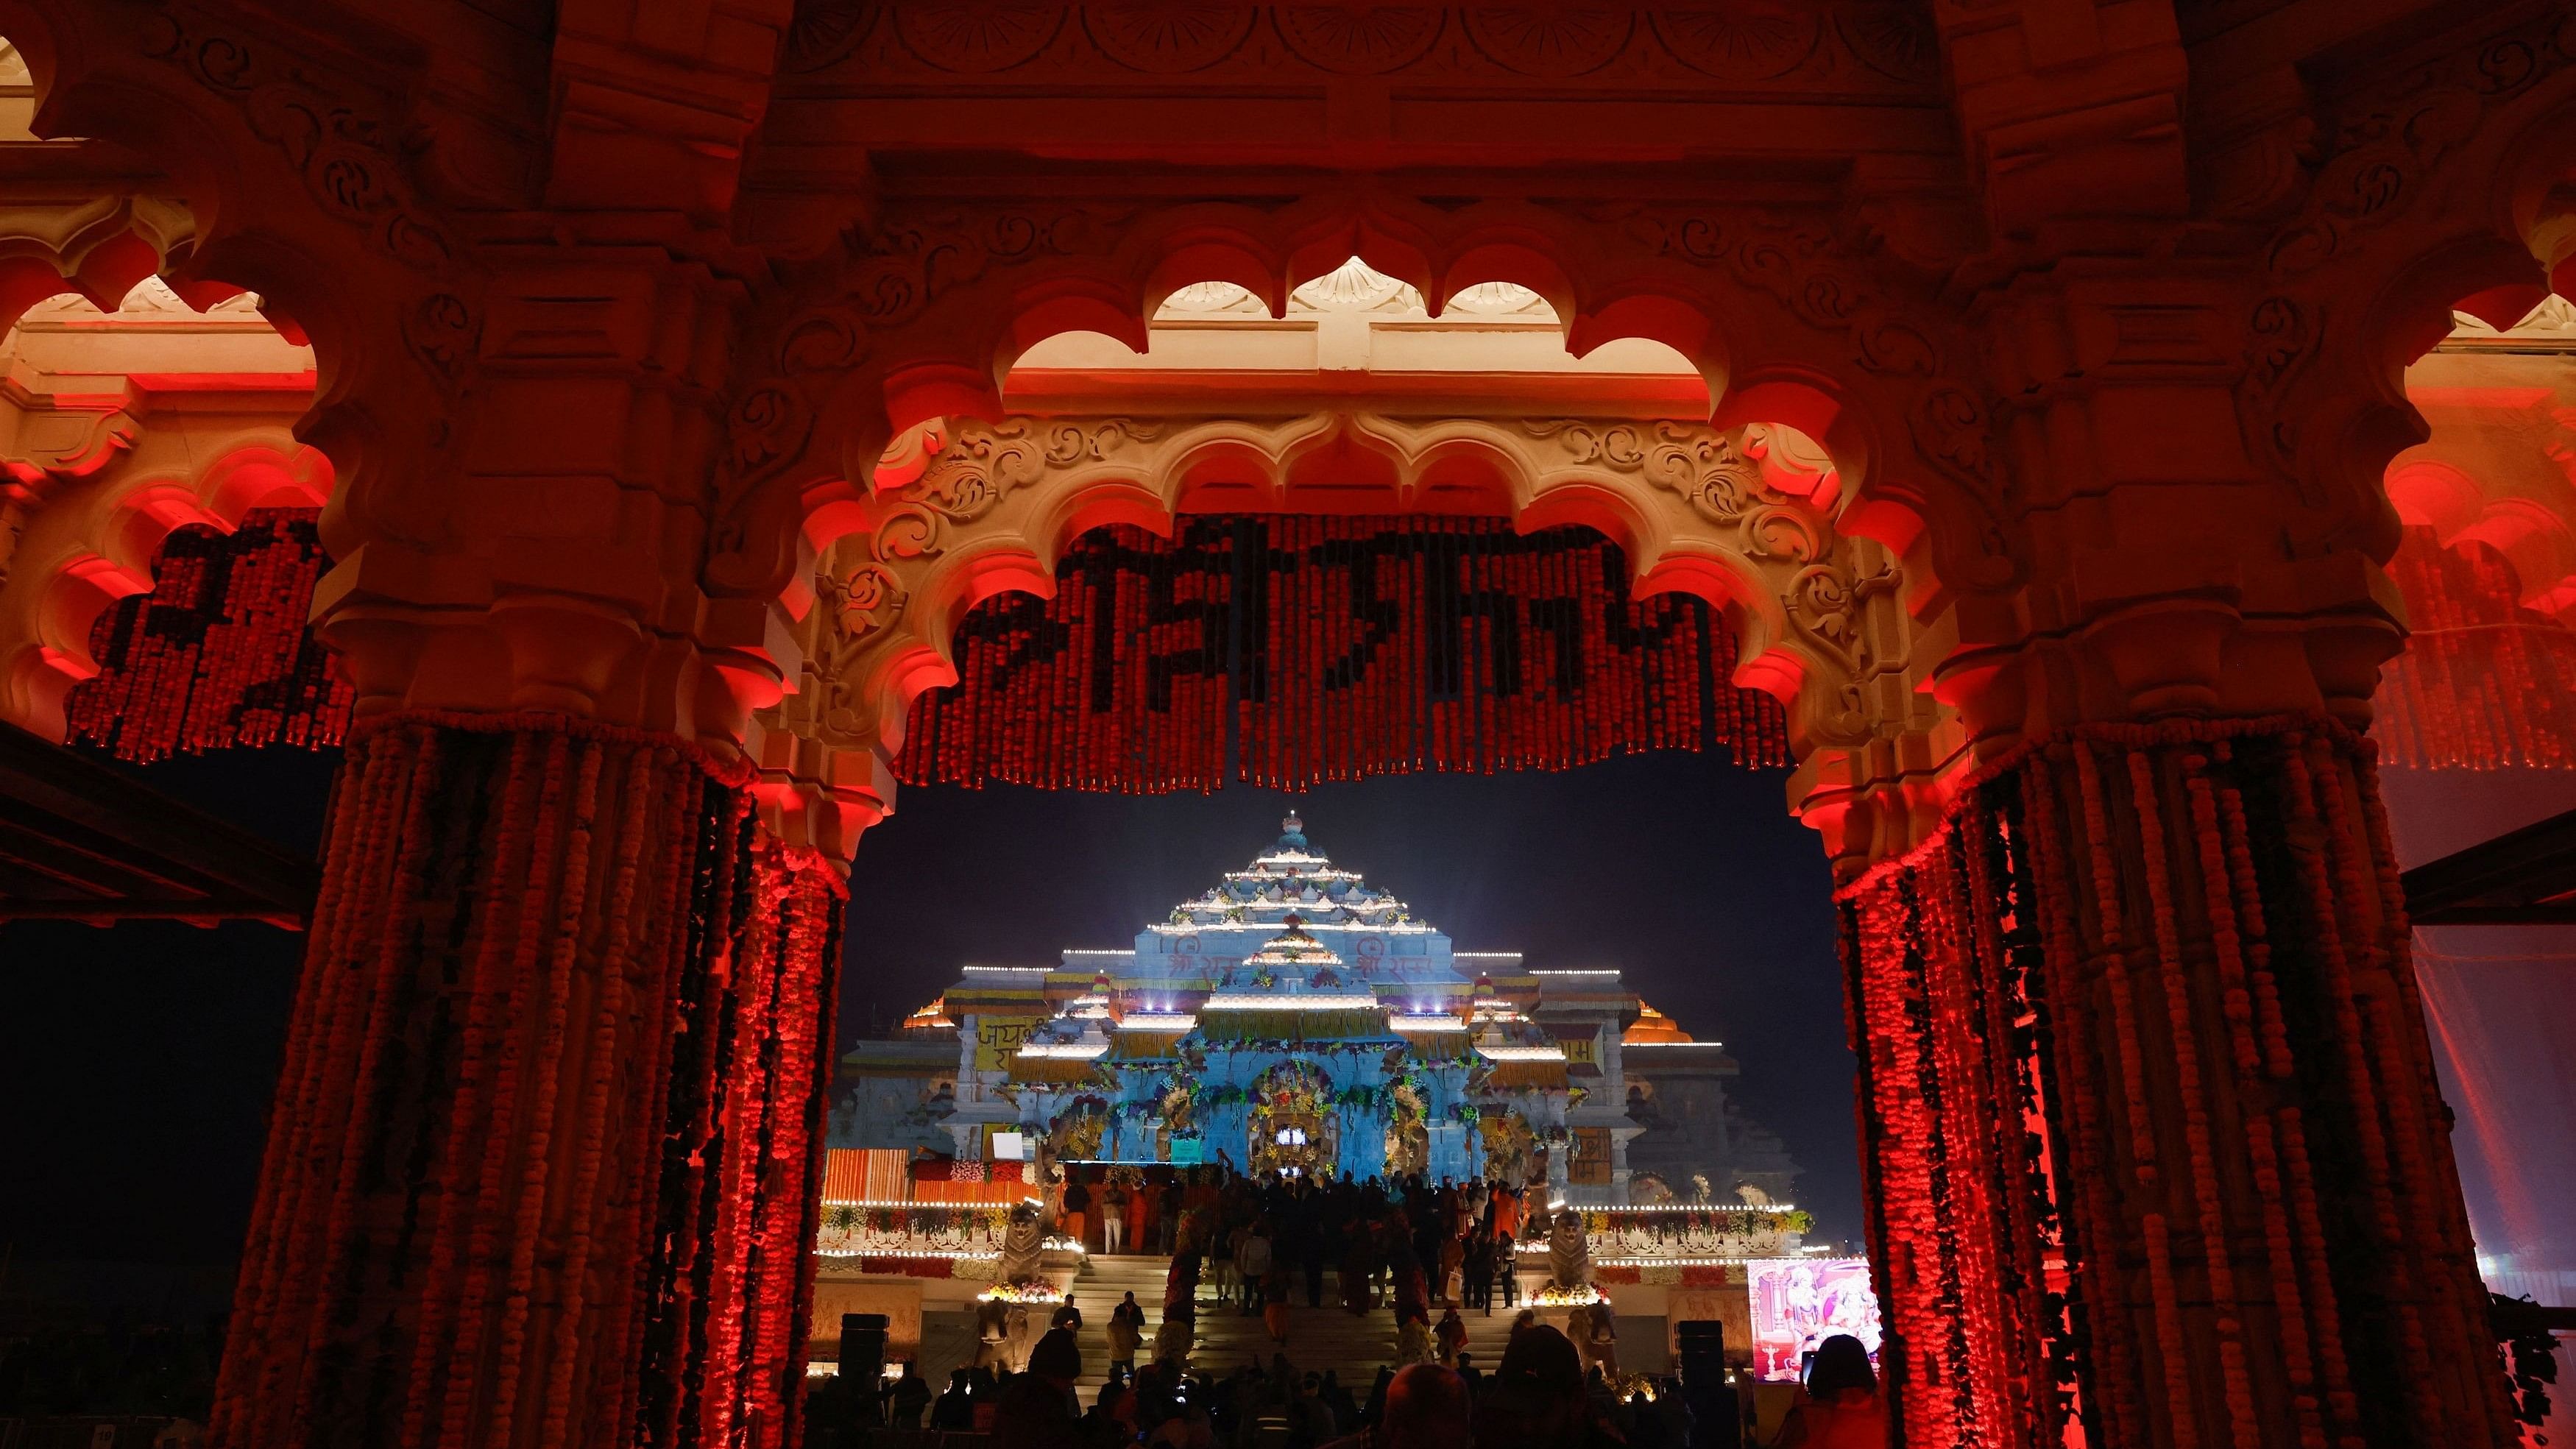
pixel 1358 40
pixel 1751 40
pixel 1168 38
pixel 1548 42
pixel 1895 39
pixel 977 39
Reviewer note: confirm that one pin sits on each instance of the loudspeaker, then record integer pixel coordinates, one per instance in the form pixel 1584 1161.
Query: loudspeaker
pixel 1716 1413
pixel 863 1347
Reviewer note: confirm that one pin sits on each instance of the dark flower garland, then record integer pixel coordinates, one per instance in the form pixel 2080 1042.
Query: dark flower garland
pixel 1328 648
pixel 555 972
pixel 2060 1001
pixel 218 654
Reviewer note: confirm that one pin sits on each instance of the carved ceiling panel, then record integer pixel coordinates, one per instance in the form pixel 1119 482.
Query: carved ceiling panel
pixel 1855 46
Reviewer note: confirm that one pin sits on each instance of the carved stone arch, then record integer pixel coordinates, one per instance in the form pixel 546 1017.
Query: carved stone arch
pixel 2456 157
pixel 294 174
pixel 96 539
pixel 919 320
pixel 1819 612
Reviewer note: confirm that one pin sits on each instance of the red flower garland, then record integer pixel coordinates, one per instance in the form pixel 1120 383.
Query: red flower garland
pixel 2484 683
pixel 565 1018
pixel 218 654
pixel 2118 926
pixel 1329 649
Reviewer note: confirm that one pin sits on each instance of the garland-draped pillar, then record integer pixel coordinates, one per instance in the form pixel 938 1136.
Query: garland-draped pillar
pixel 548 1138
pixel 2149 1122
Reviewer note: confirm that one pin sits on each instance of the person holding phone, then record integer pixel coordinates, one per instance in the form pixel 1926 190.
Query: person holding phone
pixel 1840 1406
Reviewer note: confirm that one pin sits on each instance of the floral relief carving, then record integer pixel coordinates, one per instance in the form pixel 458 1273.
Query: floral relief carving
pixel 861 588
pixel 2372 169
pixel 348 162
pixel 1168 39
pixel 1823 587
pixel 1745 41
pixel 2375 163
pixel 1894 39
pixel 1883 45
pixel 344 155
pixel 1545 41
pixel 1827 586
pixel 977 39
pixel 1370 40
pixel 1949 421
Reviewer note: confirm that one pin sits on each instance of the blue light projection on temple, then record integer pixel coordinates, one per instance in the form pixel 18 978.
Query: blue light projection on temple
pixel 1296 1017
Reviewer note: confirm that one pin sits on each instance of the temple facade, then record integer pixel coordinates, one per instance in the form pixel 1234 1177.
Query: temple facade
pixel 1296 1018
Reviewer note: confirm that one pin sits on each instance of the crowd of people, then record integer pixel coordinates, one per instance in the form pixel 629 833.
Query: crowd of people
pixel 1257 1243
pixel 1538 1397
pixel 1262 1242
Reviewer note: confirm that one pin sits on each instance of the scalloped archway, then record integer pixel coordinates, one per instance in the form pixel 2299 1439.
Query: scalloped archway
pixel 1745 518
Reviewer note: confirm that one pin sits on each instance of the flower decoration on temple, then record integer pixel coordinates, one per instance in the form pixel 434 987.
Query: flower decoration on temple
pixel 1034 1290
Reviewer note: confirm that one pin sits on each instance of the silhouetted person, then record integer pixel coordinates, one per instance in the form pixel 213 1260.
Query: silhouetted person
pixel 1841 1407
pixel 1126 1330
pixel 1426 1408
pixel 905 1401
pixel 1037 1410
pixel 1535 1400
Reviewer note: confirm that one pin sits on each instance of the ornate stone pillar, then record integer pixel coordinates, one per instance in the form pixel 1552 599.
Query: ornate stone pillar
pixel 2149 1124
pixel 547 1137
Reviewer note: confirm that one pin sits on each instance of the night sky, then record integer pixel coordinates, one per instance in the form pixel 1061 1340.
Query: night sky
pixel 137 1061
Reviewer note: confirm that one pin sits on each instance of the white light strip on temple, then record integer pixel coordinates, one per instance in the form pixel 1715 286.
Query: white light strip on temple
pixel 1158 1021
pixel 1073 1051
pixel 1285 1002
pixel 1587 971
pixel 1679 1208
pixel 913 1202
pixel 1535 1248
pixel 1426 1023
pixel 1518 1054
pixel 908 1253
pixel 1015 970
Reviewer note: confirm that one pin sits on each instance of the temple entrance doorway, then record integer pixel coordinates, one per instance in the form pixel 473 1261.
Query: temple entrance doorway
pixel 1294 1127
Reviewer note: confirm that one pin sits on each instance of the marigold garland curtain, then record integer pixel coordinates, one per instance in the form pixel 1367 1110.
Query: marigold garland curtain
pixel 218 653
pixel 2144 1091
pixel 1325 648
pixel 2484 683
pixel 546 1149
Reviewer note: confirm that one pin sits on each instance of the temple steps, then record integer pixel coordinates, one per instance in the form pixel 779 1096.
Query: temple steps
pixel 1318 1338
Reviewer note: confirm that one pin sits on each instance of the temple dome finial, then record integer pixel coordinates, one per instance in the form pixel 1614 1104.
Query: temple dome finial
pixel 1292 832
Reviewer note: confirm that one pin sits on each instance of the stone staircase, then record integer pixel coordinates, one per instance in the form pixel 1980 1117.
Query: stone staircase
pixel 1318 1338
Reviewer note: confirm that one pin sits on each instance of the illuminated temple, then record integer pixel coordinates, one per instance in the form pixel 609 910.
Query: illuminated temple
pixel 1296 1017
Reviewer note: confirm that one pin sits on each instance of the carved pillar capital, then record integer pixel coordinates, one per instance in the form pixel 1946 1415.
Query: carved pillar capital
pixel 550 561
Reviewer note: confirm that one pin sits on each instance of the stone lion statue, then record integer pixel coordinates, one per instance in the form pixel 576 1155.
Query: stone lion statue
pixel 1022 1244
pixel 1569 1252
